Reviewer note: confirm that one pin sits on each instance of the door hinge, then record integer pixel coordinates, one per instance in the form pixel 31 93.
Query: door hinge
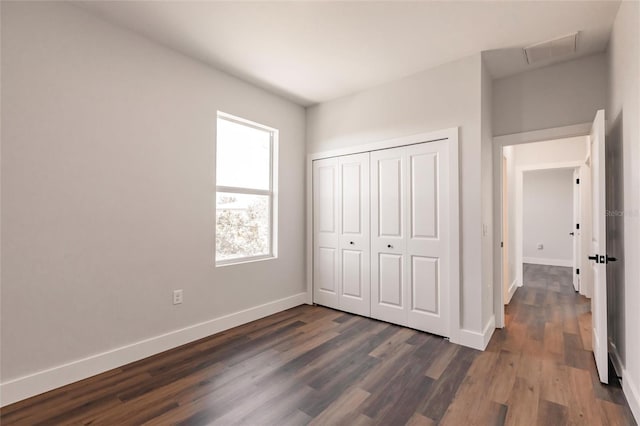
pixel 501 243
pixel 577 224
pixel 578 181
pixel 577 271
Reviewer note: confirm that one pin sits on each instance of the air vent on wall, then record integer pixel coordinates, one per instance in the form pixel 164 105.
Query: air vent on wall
pixel 551 49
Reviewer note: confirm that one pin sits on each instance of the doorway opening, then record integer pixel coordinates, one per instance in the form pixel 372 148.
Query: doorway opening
pixel 579 152
pixel 545 189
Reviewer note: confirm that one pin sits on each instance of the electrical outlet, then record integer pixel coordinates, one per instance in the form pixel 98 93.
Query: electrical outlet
pixel 177 297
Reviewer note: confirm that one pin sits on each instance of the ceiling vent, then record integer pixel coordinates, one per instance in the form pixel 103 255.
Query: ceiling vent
pixel 552 49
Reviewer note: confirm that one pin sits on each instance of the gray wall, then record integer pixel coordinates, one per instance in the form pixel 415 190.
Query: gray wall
pixel 558 95
pixel 108 154
pixel 547 200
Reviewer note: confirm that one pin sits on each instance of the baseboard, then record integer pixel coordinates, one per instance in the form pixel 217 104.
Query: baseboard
pixel 615 358
pixel 629 388
pixel 43 381
pixel 632 394
pixel 511 291
pixel 549 262
pixel 475 339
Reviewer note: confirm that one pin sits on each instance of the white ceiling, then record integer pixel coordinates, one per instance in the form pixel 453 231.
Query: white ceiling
pixel 312 52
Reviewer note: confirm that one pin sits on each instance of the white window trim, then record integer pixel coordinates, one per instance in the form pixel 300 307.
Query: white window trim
pixel 271 193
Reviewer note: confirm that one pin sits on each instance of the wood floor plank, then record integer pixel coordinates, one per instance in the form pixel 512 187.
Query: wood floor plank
pixel 419 420
pixel 315 365
pixel 515 337
pixel 582 406
pixel 343 410
pixel 555 380
pixel 550 413
pixel 523 402
pixel 389 346
pixel 504 378
pixel 441 362
pixel 279 409
pixel 613 414
pixel 388 368
pixel 443 391
pixel 471 402
pixel 553 339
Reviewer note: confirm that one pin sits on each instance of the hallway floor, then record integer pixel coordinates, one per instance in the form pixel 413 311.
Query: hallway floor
pixel 540 369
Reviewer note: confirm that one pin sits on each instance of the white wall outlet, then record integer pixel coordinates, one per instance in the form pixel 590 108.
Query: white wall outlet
pixel 540 246
pixel 177 297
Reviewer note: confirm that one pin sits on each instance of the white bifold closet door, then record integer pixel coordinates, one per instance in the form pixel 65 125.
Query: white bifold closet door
pixel 409 236
pixel 341 254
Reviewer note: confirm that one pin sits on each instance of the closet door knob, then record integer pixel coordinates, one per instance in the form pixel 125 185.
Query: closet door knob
pixel 389 245
pixel 351 242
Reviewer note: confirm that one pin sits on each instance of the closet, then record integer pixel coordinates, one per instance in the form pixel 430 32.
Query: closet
pixel 381 234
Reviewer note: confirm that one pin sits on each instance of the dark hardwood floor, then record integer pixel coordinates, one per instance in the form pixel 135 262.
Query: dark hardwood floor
pixel 315 365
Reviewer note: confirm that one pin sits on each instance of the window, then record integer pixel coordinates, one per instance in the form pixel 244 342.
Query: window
pixel 244 190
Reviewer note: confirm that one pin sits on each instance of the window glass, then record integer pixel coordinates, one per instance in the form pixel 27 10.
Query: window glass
pixel 242 225
pixel 243 156
pixel 244 190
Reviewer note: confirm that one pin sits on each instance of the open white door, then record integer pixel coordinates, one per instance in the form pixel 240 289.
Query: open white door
pixel 575 233
pixel 598 247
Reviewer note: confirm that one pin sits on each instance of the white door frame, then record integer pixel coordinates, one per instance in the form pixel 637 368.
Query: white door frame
pixel 583 129
pixel 451 135
pixel 505 228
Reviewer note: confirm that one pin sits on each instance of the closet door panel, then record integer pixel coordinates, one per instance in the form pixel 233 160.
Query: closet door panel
pixel 425 285
pixel 427 237
pixel 326 277
pixel 389 207
pixel 388 279
pixel 352 276
pixel 423 186
pixel 326 258
pixel 355 234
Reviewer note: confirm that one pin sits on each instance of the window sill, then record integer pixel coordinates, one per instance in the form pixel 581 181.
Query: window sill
pixel 242 260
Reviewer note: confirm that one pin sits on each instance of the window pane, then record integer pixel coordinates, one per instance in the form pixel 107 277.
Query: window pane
pixel 242 225
pixel 243 156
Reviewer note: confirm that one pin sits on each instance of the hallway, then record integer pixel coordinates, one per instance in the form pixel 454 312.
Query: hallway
pixel 539 369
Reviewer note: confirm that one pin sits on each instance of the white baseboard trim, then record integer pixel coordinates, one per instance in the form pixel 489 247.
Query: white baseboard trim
pixel 629 388
pixel 632 394
pixel 475 339
pixel 512 289
pixel 43 381
pixel 549 262
pixel 615 358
